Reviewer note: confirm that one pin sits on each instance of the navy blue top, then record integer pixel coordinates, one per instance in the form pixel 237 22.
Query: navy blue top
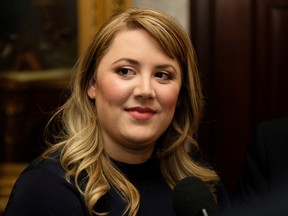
pixel 43 190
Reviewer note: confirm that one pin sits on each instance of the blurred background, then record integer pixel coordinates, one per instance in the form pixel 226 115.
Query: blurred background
pixel 242 51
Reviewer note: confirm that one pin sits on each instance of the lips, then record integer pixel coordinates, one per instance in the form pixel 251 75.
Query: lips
pixel 141 113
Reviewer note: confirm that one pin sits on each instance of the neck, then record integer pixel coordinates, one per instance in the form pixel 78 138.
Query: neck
pixel 130 156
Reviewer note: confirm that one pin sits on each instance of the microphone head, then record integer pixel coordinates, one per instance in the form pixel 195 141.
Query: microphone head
pixel 190 196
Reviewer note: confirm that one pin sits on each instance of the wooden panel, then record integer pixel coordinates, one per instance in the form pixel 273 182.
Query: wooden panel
pixel 270 51
pixel 279 58
pixel 232 70
pixel 243 50
pixel 279 3
pixel 223 41
pixel 202 36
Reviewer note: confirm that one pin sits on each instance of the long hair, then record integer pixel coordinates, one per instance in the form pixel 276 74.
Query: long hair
pixel 80 142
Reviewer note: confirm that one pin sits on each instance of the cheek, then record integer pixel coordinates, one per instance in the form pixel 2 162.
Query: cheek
pixel 113 92
pixel 170 98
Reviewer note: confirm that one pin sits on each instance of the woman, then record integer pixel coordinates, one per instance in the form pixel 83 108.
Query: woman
pixel 128 132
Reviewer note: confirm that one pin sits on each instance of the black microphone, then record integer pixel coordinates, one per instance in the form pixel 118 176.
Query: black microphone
pixel 192 197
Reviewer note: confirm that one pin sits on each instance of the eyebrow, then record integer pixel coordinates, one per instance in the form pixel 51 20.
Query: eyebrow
pixel 135 62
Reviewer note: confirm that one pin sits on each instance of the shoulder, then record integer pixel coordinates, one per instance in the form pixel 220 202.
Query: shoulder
pixel 269 138
pixel 42 187
pixel 275 127
pixel 272 138
pixel 40 173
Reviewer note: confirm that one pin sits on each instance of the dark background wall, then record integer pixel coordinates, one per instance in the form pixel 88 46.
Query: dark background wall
pixel 242 48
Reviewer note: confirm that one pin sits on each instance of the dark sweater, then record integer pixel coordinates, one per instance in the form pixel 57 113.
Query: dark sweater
pixel 43 190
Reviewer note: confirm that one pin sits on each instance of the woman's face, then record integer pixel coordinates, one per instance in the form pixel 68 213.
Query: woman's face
pixel 135 90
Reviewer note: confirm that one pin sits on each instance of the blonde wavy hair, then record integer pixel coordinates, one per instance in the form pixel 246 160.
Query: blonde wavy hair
pixel 78 136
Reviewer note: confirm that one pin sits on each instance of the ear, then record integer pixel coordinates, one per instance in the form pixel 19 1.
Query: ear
pixel 91 91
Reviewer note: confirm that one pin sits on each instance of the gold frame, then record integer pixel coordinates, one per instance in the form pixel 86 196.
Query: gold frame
pixel 92 13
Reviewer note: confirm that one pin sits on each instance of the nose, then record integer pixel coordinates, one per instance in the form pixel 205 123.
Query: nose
pixel 144 88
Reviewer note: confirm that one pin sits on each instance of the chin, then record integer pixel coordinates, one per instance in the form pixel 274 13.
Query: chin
pixel 142 141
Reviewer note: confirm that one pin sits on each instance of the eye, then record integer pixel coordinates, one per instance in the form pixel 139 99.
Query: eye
pixel 163 75
pixel 124 71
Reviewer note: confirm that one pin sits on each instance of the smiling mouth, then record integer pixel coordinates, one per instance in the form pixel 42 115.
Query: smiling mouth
pixel 141 113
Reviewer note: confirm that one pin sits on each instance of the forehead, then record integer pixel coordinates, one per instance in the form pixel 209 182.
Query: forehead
pixel 135 37
pixel 137 43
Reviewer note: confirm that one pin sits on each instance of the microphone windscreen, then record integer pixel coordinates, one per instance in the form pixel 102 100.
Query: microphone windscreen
pixel 191 195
